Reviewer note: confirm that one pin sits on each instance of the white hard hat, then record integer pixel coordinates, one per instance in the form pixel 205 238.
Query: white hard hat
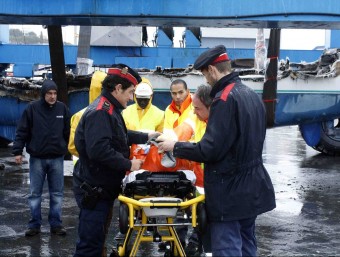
pixel 143 90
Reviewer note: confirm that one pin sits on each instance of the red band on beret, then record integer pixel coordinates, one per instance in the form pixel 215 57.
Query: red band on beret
pixel 123 74
pixel 221 58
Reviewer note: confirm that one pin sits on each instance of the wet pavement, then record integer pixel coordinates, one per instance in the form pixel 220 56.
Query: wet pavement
pixel 306 221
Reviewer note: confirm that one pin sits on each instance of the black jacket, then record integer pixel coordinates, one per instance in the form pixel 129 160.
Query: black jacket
pixel 237 185
pixel 43 129
pixel 102 142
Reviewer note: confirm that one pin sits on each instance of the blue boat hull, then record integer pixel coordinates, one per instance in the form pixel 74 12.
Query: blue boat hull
pixel 11 109
pixel 300 108
pixel 291 109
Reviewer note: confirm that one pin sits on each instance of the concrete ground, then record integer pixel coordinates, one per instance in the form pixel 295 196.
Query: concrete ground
pixel 306 221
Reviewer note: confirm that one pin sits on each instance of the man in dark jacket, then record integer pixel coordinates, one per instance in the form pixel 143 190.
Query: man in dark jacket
pixel 102 142
pixel 237 185
pixel 44 129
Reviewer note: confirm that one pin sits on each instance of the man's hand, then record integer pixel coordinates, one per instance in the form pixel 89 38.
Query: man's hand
pixel 18 159
pixel 136 164
pixel 165 145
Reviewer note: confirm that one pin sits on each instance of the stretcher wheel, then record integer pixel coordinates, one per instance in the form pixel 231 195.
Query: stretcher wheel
pixel 114 254
pixel 168 254
pixel 201 218
pixel 169 251
pixel 123 218
pixel 120 251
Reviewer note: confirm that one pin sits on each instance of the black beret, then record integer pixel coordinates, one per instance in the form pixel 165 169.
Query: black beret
pixel 211 56
pixel 125 72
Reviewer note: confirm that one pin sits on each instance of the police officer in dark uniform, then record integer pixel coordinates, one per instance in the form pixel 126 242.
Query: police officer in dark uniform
pixel 237 185
pixel 102 142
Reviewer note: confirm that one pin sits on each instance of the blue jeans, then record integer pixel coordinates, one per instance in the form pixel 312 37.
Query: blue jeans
pixel 233 238
pixel 53 169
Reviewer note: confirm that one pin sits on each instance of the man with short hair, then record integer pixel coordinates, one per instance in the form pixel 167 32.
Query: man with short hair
pixel 180 106
pixel 44 130
pixel 102 142
pixel 236 183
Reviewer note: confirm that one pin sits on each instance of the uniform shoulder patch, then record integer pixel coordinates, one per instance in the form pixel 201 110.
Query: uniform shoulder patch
pixel 225 93
pixel 105 105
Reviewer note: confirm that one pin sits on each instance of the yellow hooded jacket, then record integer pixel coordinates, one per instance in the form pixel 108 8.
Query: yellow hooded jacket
pixel 149 119
pixel 95 90
pixel 193 129
pixel 174 117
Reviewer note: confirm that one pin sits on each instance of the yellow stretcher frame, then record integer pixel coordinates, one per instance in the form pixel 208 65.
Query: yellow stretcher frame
pixel 135 205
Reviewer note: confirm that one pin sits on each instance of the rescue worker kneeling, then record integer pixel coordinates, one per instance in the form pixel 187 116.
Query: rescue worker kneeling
pixel 102 142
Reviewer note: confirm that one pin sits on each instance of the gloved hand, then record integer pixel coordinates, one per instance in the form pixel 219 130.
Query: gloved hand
pixel 153 134
pixel 167 136
pixel 166 145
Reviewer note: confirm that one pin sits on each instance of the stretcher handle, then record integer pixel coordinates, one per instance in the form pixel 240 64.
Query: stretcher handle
pixel 135 204
pixel 129 200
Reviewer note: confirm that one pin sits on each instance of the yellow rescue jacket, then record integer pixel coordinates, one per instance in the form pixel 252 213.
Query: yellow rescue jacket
pixel 174 117
pixel 149 119
pixel 95 90
pixel 193 129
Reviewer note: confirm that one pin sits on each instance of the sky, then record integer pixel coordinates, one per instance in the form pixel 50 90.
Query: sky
pixel 70 33
pixel 299 39
pixel 302 39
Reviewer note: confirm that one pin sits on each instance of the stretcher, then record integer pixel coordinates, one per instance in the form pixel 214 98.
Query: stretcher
pixel 148 206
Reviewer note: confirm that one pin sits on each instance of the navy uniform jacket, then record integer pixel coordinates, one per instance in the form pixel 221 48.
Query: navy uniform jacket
pixel 102 142
pixel 43 129
pixel 237 185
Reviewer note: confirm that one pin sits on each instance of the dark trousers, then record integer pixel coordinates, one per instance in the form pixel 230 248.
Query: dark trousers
pixel 201 239
pixel 233 238
pixel 93 228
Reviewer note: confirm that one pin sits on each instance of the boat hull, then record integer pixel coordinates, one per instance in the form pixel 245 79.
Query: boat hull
pixel 11 109
pixel 298 101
